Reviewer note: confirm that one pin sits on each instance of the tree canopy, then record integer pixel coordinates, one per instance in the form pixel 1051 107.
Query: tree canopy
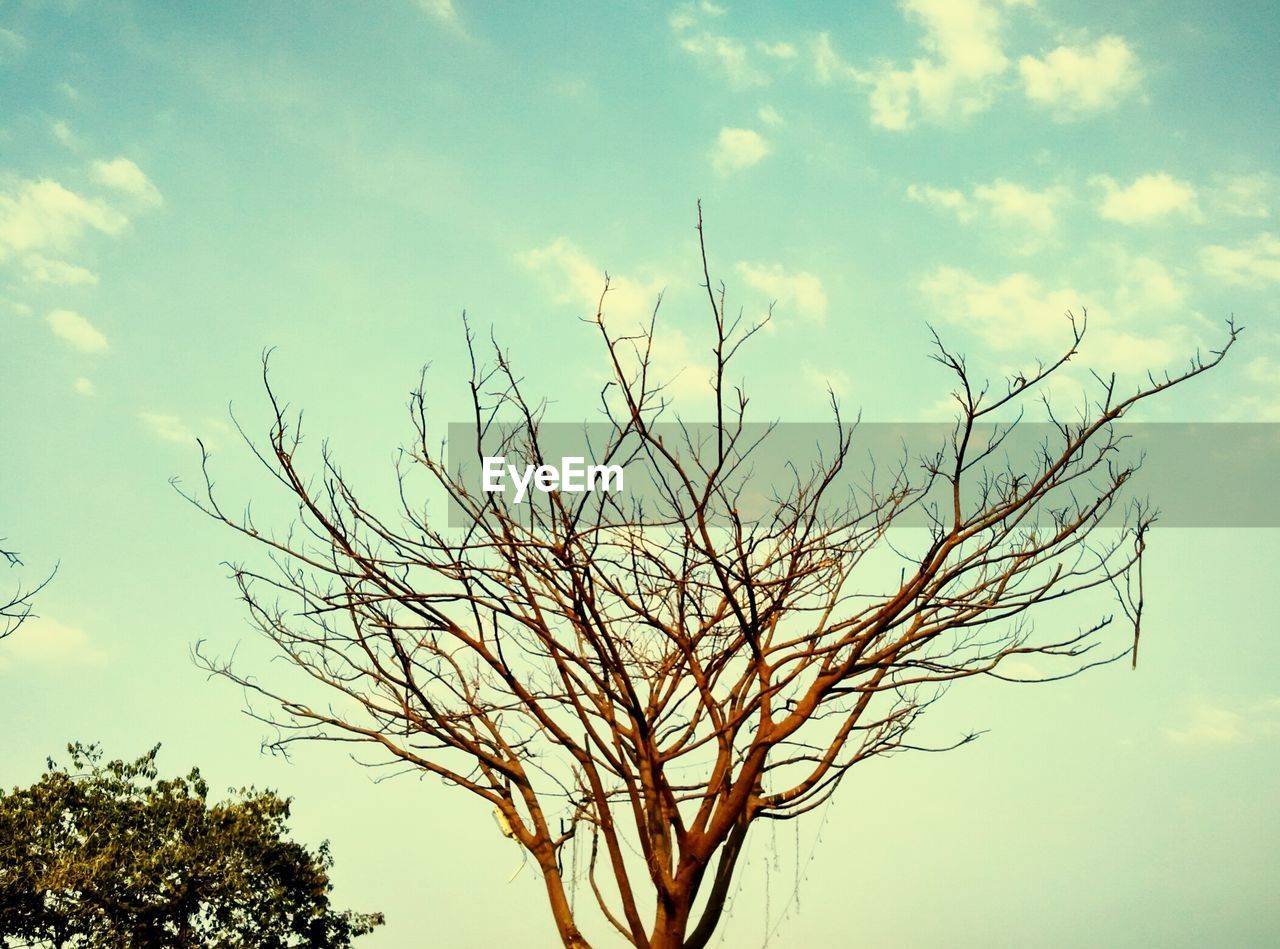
pixel 112 855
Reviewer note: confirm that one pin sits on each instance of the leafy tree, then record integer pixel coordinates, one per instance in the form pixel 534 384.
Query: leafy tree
pixel 111 855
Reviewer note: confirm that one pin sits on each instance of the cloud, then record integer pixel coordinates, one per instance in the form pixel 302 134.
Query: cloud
pixel 85 386
pixel 580 281
pixel 62 132
pixel 77 331
pixel 1146 285
pixel 170 428
pixel 736 149
pixel 1004 203
pixel 1253 263
pixel 946 199
pixel 717 51
pixel 726 54
pixel 43 640
pixel 1012 204
pixel 1264 370
pixel 834 380
pixel 1075 81
pixel 1005 313
pixel 957 77
pixel 12 45
pixel 1245 195
pixel 44 270
pixel 1131 324
pixel 1211 724
pixel 778 50
pixel 123 175
pixel 36 215
pixel 1149 198
pixel 797 293
pixel 442 10
pixel 770 116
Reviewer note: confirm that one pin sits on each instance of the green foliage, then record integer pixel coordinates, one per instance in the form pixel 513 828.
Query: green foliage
pixel 112 856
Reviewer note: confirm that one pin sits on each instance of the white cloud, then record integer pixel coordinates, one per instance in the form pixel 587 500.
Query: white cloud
pixel 726 54
pixel 35 215
pixel 1149 198
pixel 770 116
pixel 1263 370
pixel 1004 203
pixel 718 51
pixel 736 149
pixel 797 293
pixel 1005 313
pixel 12 45
pixel 1254 263
pixel 123 175
pixel 947 199
pixel 1237 724
pixel 171 428
pixel 778 50
pixel 1134 325
pixel 43 640
pixel 442 10
pixel 41 269
pixel 828 67
pixel 1012 204
pixel 1245 195
pixel 1074 81
pixel 77 331
pixel 18 309
pixel 1146 285
pixel 85 386
pixel 834 380
pixel 579 281
pixel 1209 726
pixel 62 132
pixel 957 77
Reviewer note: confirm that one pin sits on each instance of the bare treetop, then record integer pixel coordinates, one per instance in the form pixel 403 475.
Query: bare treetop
pixel 644 680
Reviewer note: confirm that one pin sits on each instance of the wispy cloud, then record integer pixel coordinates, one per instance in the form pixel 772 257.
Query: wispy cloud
pixel 41 214
pixel 12 45
pixel 442 11
pixel 716 50
pixel 1253 263
pixel 1228 724
pixel 957 75
pixel 1028 214
pixel 170 428
pixel 1245 195
pixel 579 280
pixel 40 269
pixel 123 175
pixel 76 330
pixel 798 293
pixel 43 640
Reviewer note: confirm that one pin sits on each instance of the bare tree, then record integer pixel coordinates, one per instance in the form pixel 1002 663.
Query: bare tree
pixel 15 608
pixel 647 680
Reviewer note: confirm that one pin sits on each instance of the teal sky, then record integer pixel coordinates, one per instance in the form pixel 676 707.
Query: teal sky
pixel 183 185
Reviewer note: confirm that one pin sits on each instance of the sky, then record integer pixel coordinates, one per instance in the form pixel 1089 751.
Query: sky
pixel 184 186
